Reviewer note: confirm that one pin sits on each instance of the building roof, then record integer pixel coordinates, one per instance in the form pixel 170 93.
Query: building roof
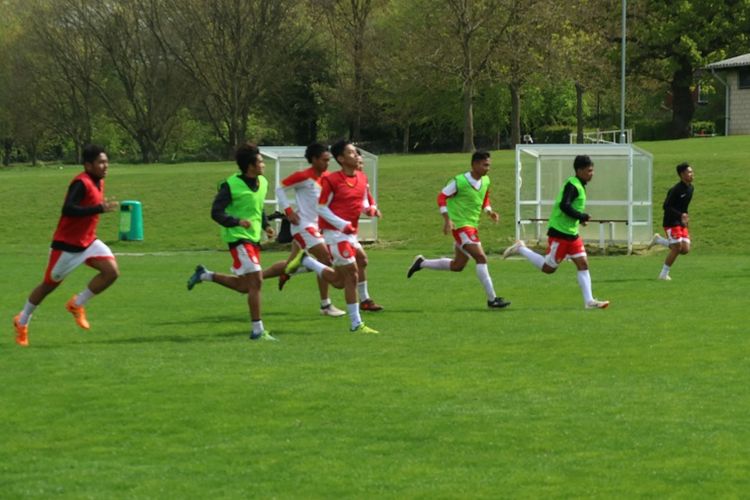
pixel 732 62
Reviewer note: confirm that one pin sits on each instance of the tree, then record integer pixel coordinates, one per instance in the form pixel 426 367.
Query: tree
pixel 230 51
pixel 65 62
pixel 584 36
pixel 140 84
pixel 349 24
pixel 670 40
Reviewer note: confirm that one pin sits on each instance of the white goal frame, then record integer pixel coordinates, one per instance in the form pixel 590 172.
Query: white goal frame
pixel 628 228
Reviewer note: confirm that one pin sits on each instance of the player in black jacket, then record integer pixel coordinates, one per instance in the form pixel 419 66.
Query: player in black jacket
pixel 676 219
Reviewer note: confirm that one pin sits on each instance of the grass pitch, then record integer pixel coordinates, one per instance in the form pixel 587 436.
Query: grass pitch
pixel 166 397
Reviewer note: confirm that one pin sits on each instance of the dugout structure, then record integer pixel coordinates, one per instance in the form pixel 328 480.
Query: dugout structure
pixel 618 198
pixel 282 161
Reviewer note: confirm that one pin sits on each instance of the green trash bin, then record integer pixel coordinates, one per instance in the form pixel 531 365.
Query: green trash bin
pixel 131 221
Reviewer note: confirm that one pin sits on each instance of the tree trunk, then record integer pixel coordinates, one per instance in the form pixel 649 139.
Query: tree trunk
pixel 515 114
pixel 468 145
pixel 358 89
pixel 683 106
pixel 7 151
pixel 579 113
pixel 405 142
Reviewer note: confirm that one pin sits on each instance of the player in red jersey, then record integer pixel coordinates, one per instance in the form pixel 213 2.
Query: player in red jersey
pixel 343 198
pixel 75 243
pixel 366 302
pixel 304 221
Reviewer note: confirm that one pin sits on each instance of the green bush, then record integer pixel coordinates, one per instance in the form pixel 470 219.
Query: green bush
pixel 703 128
pixel 651 130
pixel 553 134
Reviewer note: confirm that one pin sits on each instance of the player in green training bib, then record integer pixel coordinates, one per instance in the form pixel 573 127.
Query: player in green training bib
pixel 563 238
pixel 461 203
pixel 238 209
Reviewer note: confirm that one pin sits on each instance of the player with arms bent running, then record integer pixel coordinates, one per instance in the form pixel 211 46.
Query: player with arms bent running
pixel 75 243
pixel 563 238
pixel 676 219
pixel 461 202
pixel 238 209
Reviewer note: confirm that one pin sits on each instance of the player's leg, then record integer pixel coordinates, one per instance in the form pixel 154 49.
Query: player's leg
pixel 108 274
pixel 252 282
pixel 342 249
pixel 59 265
pixel 679 244
pixel 658 240
pixel 366 302
pixel 275 270
pixel 226 280
pixel 538 261
pixel 320 253
pixel 584 282
pixel 21 320
pixel 476 252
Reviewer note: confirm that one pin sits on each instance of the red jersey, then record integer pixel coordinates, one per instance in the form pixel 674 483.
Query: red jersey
pixel 345 196
pixel 80 231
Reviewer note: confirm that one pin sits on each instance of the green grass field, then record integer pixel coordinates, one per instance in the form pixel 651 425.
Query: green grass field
pixel 166 398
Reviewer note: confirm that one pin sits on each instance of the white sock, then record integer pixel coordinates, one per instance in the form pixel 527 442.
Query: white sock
pixel 258 326
pixel 301 270
pixel 25 316
pixel 207 276
pixel 362 291
pixel 436 264
pixel 665 270
pixel 533 257
pixel 483 273
pixel 83 297
pixel 313 265
pixel 354 318
pixel 584 281
pixel 661 240
pixel 325 303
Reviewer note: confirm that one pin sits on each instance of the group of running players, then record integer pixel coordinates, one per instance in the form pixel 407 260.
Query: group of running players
pixel 324 229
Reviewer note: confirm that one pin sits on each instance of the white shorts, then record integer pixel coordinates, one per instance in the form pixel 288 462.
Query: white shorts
pixel 62 263
pixel 246 259
pixel 342 247
pixel 308 236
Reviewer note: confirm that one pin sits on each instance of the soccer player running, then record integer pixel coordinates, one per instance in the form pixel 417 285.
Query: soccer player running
pixel 74 243
pixel 366 302
pixel 563 238
pixel 343 197
pixel 238 209
pixel 461 203
pixel 676 219
pixel 304 222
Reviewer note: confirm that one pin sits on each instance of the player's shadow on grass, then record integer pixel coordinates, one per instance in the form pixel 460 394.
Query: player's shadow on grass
pixel 174 338
pixel 626 280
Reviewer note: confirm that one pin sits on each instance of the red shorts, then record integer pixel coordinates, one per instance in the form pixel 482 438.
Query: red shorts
pixel 245 258
pixel 466 235
pixel 676 234
pixel 559 248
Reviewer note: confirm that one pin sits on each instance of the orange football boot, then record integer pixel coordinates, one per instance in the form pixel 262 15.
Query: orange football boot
pixel 78 312
pixel 22 331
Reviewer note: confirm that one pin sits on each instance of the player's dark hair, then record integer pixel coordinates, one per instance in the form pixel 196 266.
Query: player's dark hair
pixel 338 149
pixel 91 152
pixel 480 156
pixel 682 167
pixel 246 155
pixel 314 151
pixel 581 162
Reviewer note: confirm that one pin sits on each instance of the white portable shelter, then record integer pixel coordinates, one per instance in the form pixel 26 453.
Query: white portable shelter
pixel 618 197
pixel 281 161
